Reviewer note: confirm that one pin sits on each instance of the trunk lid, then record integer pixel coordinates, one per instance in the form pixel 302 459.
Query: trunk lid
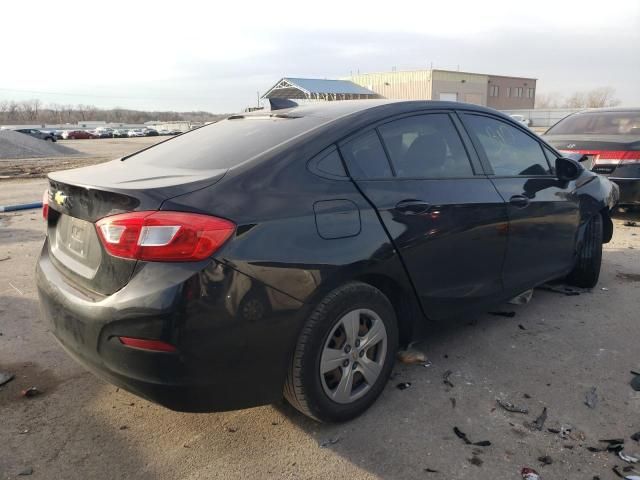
pixel 80 197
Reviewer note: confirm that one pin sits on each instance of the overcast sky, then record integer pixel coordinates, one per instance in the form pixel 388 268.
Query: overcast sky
pixel 217 55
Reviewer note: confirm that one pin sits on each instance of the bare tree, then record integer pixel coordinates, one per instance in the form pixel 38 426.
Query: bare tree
pixel 576 100
pixel 602 97
pixel 548 100
pixel 34 112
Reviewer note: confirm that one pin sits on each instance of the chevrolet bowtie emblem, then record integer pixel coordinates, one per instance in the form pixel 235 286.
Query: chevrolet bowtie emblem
pixel 60 198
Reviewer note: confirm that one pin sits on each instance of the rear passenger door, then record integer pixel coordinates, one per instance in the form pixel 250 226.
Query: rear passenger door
pixel 543 211
pixel 444 216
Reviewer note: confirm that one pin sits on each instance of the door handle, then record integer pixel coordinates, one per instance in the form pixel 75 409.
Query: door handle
pixel 412 207
pixel 519 201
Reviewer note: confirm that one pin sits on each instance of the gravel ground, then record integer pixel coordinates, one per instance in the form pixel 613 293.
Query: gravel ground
pixel 88 152
pixel 550 355
pixel 20 145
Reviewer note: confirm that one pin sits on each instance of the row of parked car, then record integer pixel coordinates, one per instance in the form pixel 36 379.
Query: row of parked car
pixel 111 133
pixel 54 135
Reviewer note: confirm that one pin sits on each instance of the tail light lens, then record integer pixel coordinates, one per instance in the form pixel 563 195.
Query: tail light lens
pixel 45 205
pixel 147 344
pixel 163 236
pixel 610 157
pixel 617 156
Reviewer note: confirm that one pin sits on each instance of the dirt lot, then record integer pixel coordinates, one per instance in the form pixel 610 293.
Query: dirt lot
pixel 91 152
pixel 550 354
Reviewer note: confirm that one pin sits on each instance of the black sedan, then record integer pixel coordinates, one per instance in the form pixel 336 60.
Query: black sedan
pixel 47 136
pixel 291 252
pixel 610 141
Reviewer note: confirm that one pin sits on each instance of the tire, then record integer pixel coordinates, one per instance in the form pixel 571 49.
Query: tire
pixel 49 139
pixel 324 341
pixel 586 271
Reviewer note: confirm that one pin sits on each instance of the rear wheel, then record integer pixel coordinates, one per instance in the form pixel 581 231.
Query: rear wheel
pixel 344 355
pixel 586 272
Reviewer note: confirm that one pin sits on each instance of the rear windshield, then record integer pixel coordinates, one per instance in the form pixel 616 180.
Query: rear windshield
pixel 602 123
pixel 226 143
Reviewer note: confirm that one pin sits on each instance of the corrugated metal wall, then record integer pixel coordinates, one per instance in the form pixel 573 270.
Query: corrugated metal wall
pixel 410 85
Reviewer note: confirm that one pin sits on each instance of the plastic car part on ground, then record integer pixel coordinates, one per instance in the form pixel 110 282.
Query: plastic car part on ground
pixel 445 378
pixel 538 423
pixel 463 436
pixel 413 356
pixel 30 392
pixel 635 381
pixel 591 398
pixel 630 458
pixel 6 377
pixel 529 474
pixel 522 299
pixel 510 407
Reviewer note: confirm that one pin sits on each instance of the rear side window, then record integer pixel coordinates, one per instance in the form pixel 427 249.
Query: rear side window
pixel 365 157
pixel 510 151
pixel 225 144
pixel 598 123
pixel 426 146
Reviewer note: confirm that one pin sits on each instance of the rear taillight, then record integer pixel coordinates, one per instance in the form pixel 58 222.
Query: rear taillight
pixel 610 157
pixel 163 236
pixel 617 156
pixel 147 344
pixel 45 205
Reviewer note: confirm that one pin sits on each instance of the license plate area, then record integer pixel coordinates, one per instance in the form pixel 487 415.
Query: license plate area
pixel 75 244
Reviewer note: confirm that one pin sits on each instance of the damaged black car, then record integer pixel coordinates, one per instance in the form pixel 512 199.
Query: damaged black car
pixel 290 252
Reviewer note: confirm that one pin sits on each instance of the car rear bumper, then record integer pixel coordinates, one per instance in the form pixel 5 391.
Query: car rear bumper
pixel 233 336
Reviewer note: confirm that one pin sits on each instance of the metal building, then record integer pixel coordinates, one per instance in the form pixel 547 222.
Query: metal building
pixel 495 91
pixel 318 89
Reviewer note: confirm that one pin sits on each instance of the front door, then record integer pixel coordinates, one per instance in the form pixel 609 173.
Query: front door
pixel 443 214
pixel 543 211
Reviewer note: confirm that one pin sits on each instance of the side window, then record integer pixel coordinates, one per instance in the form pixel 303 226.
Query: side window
pixel 426 146
pixel 328 164
pixel 365 157
pixel 509 151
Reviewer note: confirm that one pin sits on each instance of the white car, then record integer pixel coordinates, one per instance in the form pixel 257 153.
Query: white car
pixel 520 118
pixel 136 132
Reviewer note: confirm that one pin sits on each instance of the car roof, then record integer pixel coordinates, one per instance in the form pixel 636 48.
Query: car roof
pixel 609 110
pixel 337 109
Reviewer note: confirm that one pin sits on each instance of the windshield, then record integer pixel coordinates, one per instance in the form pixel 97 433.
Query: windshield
pixel 226 143
pixel 602 123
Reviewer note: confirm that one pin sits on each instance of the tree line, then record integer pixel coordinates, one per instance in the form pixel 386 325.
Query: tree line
pixel 36 112
pixel 596 98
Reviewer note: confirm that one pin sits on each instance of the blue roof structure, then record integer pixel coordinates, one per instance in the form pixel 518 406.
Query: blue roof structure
pixel 316 88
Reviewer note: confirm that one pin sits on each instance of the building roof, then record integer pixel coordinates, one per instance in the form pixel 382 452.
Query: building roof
pixel 289 87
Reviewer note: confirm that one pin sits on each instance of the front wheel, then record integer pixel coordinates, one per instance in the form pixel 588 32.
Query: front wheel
pixel 344 354
pixel 586 272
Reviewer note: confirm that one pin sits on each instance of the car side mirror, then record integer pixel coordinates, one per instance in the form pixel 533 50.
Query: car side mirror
pixel 568 169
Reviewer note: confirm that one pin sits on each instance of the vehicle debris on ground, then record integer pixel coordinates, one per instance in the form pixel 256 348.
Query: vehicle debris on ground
pixel 591 398
pixel 538 423
pixel 6 377
pixel 510 407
